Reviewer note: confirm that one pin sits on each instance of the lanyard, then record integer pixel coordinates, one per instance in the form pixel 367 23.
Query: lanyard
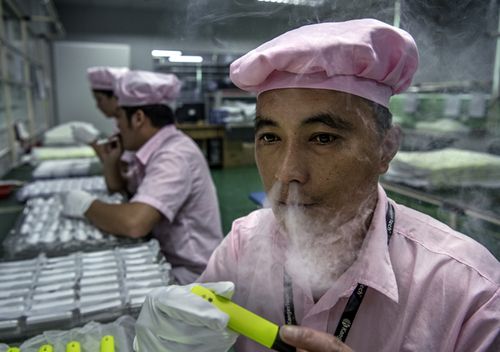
pixel 354 301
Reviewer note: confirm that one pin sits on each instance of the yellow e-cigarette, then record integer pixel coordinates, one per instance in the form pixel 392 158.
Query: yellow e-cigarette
pixel 108 344
pixel 73 346
pixel 245 322
pixel 46 348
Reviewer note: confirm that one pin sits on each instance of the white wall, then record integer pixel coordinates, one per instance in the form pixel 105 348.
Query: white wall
pixel 141 46
pixel 74 101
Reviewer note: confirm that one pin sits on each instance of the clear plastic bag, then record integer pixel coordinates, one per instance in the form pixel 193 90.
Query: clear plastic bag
pixel 89 336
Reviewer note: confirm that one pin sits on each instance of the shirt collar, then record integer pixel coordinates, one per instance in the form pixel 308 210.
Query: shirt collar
pixel 373 266
pixel 145 152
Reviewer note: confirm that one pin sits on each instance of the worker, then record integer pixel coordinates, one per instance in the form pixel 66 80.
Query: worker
pixel 101 81
pixel 175 199
pixel 323 136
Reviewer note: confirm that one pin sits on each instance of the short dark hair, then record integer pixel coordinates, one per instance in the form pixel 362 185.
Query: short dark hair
pixel 383 117
pixel 160 115
pixel 107 92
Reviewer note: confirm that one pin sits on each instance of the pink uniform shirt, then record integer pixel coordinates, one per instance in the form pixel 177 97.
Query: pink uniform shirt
pixel 129 171
pixel 173 177
pixel 430 289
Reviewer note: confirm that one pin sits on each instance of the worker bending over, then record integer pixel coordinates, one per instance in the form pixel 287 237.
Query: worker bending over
pixel 102 80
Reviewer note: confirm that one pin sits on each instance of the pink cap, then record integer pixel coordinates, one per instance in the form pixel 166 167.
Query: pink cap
pixel 363 57
pixel 139 88
pixel 104 77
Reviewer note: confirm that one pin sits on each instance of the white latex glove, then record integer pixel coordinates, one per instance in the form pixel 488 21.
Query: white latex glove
pixel 173 319
pixel 76 203
pixel 85 133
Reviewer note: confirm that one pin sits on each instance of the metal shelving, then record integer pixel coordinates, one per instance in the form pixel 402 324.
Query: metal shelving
pixel 25 67
pixel 198 78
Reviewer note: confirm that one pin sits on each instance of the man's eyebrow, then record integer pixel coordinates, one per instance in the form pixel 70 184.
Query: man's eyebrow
pixel 261 122
pixel 329 119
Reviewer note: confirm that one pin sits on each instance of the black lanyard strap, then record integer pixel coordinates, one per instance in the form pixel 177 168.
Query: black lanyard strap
pixel 289 308
pixel 389 220
pixel 354 301
pixel 350 311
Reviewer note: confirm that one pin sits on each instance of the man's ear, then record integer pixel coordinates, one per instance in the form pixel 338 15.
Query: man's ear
pixel 138 119
pixel 390 146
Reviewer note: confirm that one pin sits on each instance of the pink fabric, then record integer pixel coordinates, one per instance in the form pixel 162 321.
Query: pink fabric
pixel 174 178
pixel 139 88
pixel 104 77
pixel 363 57
pixel 130 171
pixel 432 289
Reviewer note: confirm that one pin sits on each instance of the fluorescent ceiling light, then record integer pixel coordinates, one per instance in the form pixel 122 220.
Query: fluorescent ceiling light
pixel 297 2
pixel 165 53
pixel 185 59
